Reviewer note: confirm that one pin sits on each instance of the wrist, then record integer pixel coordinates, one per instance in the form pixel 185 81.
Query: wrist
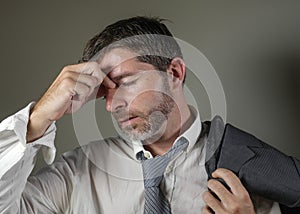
pixel 37 126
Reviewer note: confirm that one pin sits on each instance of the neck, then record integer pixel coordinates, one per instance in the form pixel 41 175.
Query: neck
pixel 178 122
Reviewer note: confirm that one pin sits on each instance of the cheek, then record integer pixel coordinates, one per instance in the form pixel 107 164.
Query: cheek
pixel 146 100
pixel 144 94
pixel 149 87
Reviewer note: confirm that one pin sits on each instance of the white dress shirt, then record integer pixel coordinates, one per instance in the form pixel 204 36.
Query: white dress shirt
pixel 101 177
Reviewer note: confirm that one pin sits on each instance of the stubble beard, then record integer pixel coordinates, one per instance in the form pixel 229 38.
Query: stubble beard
pixel 153 122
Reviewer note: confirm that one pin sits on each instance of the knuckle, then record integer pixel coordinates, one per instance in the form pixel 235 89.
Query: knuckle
pixel 65 69
pixel 234 207
pixel 94 64
pixel 245 196
pixel 82 89
pixel 81 78
pixel 94 81
pixel 67 82
pixel 86 90
pixel 66 73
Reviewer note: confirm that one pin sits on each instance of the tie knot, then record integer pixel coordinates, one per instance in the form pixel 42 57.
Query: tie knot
pixel 154 168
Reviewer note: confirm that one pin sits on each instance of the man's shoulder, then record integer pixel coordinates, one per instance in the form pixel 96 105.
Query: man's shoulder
pixel 230 132
pixel 116 144
pixel 101 147
pixel 102 150
pixel 113 155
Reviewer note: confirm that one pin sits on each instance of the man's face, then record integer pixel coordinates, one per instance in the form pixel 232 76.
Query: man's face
pixel 142 101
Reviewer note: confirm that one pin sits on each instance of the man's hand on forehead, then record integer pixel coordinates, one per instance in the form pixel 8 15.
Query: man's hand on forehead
pixel 74 86
pixel 104 82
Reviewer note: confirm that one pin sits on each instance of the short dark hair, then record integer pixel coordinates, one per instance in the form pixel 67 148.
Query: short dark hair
pixel 155 38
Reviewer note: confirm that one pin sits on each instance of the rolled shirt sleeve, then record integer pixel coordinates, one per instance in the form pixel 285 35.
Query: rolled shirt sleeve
pixel 13 140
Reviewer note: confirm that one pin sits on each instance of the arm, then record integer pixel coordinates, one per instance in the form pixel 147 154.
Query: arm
pixel 17 158
pixel 19 144
pixel 74 86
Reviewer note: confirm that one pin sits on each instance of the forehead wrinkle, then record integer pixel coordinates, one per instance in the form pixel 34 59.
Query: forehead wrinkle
pixel 121 71
pixel 114 70
pixel 115 58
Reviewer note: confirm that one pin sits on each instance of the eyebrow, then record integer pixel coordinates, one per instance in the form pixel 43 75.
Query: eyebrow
pixel 119 77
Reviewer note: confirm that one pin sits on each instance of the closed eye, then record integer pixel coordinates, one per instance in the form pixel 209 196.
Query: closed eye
pixel 128 83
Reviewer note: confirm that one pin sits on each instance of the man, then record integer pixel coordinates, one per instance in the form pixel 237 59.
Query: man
pixel 144 92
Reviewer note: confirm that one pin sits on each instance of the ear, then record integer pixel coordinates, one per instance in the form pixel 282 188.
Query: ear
pixel 176 72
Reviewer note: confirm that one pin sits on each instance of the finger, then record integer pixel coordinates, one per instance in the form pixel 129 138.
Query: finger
pixel 82 91
pixel 108 83
pixel 212 202
pixel 98 92
pixel 88 80
pixel 220 190
pixel 82 77
pixel 91 81
pixel 231 179
pixel 206 210
pixel 84 68
pixel 79 86
pixel 76 93
pixel 91 69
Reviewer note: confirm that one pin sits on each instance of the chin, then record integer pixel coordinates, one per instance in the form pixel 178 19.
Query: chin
pixel 149 132
pixel 137 135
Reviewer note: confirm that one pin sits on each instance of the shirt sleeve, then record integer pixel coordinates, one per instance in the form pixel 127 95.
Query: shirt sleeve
pixel 13 140
pixel 17 158
pixel 275 208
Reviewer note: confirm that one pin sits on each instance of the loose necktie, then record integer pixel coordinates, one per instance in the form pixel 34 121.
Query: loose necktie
pixel 153 170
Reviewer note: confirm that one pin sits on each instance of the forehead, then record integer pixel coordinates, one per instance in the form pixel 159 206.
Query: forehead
pixel 115 57
pixel 119 61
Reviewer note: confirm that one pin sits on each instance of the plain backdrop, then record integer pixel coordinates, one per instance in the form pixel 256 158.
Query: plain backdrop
pixel 254 47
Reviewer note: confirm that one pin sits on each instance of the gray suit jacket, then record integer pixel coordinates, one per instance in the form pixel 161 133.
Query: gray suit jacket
pixel 261 168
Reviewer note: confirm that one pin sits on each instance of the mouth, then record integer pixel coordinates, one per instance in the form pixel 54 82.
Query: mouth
pixel 127 121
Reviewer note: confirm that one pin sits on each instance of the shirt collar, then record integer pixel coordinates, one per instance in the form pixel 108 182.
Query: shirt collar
pixel 191 134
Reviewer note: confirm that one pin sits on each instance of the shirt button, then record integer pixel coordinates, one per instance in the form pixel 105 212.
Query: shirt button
pixel 147 155
pixel 169 169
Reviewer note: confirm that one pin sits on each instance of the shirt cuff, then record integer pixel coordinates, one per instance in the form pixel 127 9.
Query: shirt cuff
pixel 18 124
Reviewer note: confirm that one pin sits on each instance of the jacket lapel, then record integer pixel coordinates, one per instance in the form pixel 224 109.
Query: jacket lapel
pixel 236 148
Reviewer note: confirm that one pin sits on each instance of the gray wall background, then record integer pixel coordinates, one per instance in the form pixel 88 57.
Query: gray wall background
pixel 254 46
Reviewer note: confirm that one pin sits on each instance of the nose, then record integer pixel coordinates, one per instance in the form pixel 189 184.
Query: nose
pixel 114 100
